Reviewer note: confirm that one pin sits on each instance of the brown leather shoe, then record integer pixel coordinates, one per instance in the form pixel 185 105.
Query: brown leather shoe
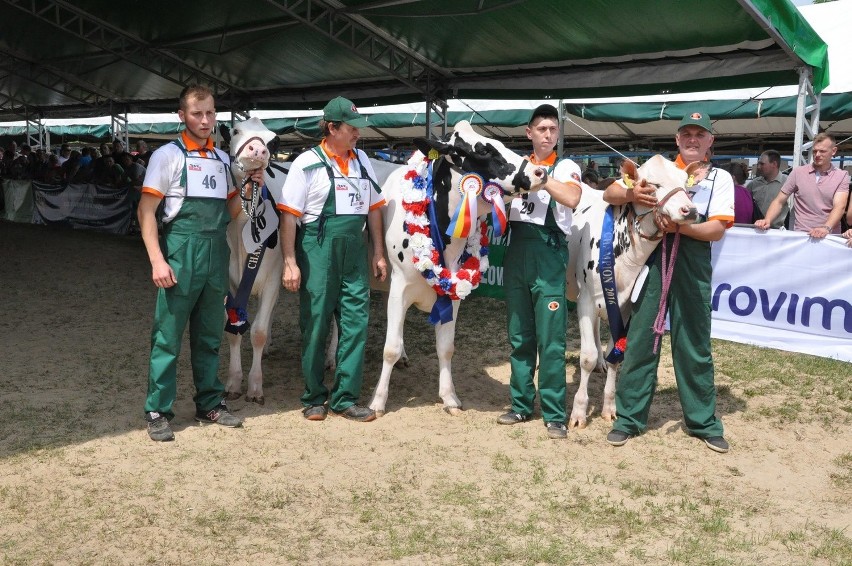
pixel 315 412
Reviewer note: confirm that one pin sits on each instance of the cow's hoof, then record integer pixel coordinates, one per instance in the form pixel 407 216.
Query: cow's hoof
pixel 379 414
pixel 259 400
pixel 233 395
pixel 453 411
pixel 608 418
pixel 576 424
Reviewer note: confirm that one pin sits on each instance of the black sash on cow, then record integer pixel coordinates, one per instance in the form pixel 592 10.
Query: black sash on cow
pixel 236 307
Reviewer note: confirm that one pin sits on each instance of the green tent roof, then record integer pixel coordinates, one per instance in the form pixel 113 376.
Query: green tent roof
pixel 96 57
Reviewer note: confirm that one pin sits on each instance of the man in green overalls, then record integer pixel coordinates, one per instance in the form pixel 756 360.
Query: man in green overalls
pixel 189 266
pixel 688 304
pixel 329 196
pixel 535 265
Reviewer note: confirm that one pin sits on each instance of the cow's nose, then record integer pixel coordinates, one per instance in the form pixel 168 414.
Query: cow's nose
pixel 689 212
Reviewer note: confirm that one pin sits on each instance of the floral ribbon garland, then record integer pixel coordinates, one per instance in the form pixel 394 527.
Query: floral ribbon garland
pixel 427 257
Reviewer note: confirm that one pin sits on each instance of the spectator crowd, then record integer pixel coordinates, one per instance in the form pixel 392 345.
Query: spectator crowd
pixel 109 164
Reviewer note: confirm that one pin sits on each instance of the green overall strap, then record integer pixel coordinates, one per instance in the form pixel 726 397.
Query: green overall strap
pixel 328 207
pixel 364 174
pixel 555 235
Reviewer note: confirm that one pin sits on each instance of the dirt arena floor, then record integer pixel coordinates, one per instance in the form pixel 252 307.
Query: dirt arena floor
pixel 81 483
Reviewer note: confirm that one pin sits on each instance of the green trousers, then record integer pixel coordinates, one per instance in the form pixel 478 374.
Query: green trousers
pixel 534 283
pixel 200 263
pixel 689 313
pixel 334 284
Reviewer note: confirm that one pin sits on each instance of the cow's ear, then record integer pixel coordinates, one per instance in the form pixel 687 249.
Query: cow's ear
pixel 424 145
pixel 274 145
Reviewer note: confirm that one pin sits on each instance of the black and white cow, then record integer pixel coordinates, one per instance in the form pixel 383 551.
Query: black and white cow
pixel 410 254
pixel 635 238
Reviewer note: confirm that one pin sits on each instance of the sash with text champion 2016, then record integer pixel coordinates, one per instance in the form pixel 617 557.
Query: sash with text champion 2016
pixel 606 264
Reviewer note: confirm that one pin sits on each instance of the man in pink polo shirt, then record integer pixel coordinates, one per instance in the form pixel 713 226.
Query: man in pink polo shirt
pixel 821 192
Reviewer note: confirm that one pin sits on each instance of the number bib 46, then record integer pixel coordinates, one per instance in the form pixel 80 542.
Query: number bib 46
pixel 206 178
pixel 531 207
pixel 351 196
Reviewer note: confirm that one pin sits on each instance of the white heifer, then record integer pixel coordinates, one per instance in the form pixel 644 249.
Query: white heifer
pixel 464 152
pixel 248 143
pixel 632 247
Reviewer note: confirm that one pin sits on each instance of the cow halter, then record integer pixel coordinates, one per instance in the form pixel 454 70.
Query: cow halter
pixel 657 214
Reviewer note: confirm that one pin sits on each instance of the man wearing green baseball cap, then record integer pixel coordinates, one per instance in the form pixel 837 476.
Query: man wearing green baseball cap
pixel 688 302
pixel 329 196
pixel 343 110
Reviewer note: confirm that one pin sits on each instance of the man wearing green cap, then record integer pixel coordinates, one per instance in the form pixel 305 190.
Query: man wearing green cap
pixel 688 303
pixel 329 196
pixel 536 260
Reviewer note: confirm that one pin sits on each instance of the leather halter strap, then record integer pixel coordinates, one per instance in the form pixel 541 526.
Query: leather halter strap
pixel 657 215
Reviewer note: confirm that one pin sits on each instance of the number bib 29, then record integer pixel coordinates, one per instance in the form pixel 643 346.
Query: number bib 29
pixel 531 207
pixel 351 196
pixel 206 178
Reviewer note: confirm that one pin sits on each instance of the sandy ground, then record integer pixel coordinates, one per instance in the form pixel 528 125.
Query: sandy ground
pixel 81 483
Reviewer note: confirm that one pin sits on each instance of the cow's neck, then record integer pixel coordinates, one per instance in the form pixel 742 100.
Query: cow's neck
pixel 455 246
pixel 629 263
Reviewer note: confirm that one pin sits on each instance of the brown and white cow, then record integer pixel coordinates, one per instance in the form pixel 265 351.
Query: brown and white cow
pixel 248 144
pixel 634 241
pixel 465 152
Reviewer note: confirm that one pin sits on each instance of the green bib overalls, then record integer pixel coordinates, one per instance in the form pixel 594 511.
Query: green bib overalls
pixel 689 318
pixel 194 244
pixel 332 256
pixel 534 284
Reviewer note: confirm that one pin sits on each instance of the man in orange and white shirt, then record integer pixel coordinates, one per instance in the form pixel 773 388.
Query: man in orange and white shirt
pixel 329 197
pixel 535 261
pixel 189 267
pixel 688 303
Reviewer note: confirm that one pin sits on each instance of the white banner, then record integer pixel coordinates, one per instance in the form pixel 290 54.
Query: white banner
pixel 784 290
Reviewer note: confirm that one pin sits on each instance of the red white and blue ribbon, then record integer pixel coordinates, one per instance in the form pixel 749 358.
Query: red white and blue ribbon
pixel 470 187
pixel 493 194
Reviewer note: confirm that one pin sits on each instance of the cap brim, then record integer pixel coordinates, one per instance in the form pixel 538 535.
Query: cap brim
pixel 359 122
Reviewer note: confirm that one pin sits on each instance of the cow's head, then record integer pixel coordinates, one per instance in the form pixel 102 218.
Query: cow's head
pixel 670 182
pixel 248 144
pixel 468 152
pixel 465 152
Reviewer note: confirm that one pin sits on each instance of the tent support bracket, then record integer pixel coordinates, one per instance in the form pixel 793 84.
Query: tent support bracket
pixel 807 118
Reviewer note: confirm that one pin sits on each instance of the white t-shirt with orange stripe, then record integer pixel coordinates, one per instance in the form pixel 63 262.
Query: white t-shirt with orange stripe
pixel 713 196
pixel 566 171
pixel 305 192
pixel 165 170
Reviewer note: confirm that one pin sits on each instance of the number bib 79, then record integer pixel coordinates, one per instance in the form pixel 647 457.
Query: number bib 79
pixel 206 178
pixel 351 196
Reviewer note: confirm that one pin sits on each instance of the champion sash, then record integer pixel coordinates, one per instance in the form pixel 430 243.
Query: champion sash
pixel 606 264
